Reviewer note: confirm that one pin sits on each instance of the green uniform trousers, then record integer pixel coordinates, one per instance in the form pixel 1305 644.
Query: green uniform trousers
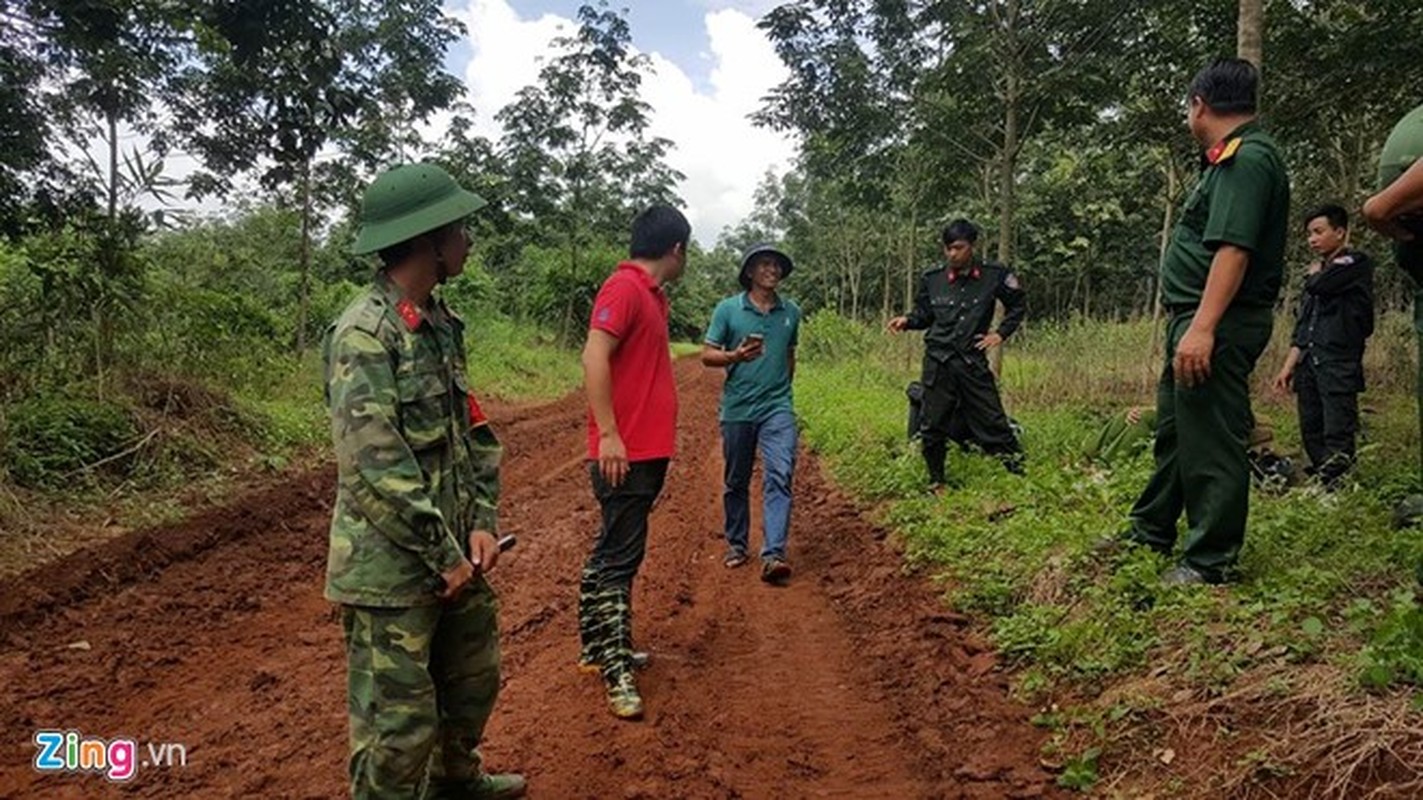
pixel 1201 434
pixel 421 685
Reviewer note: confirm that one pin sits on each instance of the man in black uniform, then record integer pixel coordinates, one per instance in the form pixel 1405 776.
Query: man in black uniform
pixel 955 305
pixel 1325 366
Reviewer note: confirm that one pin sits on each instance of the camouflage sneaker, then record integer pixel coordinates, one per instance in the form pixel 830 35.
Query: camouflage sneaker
pixel 1182 575
pixel 623 699
pixel 500 787
pixel 1408 512
pixel 590 665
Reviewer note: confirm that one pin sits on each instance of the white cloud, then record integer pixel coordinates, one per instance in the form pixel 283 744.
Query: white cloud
pixel 507 54
pixel 754 8
pixel 718 149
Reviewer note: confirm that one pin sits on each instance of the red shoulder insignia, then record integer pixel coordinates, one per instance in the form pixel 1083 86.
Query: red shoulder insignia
pixel 1223 151
pixel 476 414
pixel 409 313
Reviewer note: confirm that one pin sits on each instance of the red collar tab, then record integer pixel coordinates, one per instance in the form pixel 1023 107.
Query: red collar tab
pixel 408 312
pixel 972 273
pixel 476 414
pixel 1223 151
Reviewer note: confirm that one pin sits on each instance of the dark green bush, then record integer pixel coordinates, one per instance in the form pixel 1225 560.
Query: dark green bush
pixel 48 438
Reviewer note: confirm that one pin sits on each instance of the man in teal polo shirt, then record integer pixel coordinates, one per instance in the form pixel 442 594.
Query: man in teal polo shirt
pixel 1220 277
pixel 753 336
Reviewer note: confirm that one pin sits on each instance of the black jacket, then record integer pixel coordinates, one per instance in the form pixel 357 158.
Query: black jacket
pixel 957 308
pixel 1336 314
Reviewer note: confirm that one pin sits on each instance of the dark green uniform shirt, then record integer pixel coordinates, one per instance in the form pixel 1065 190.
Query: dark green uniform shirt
pixel 1241 199
pixel 957 307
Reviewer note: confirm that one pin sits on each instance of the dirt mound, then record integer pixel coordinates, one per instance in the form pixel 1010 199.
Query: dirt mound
pixel 852 682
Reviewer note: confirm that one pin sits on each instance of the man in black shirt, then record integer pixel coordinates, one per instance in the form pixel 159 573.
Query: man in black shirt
pixel 954 305
pixel 1325 366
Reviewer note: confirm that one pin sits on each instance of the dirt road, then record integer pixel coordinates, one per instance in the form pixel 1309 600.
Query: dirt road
pixel 853 682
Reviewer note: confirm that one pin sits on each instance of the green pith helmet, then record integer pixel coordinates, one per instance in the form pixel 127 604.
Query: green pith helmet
pixel 407 201
pixel 1403 147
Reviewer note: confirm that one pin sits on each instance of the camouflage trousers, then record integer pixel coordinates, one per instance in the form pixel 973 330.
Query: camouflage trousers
pixel 605 589
pixel 605 625
pixel 421 685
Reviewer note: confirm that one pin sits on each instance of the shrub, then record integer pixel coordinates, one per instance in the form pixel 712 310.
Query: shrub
pixel 48 439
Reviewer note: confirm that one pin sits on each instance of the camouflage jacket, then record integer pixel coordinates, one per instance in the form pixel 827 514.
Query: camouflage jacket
pixel 417 463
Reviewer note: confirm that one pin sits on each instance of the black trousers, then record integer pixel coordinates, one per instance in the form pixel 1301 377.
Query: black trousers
pixel 1328 397
pixel 962 390
pixel 622 538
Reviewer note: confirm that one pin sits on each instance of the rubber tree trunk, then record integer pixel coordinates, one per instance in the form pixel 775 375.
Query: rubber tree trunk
pixel 1249 42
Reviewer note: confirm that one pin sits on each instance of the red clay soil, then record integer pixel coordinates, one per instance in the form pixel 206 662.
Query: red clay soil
pixel 853 682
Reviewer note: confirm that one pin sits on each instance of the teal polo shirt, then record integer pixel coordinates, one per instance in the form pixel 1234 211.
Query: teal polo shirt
pixel 755 390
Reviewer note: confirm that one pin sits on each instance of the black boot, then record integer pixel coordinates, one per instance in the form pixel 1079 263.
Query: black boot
pixel 935 454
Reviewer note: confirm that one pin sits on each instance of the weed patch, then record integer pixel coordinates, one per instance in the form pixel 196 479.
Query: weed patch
pixel 1326 586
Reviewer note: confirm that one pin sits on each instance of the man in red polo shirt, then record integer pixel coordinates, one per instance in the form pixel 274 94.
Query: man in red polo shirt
pixel 632 433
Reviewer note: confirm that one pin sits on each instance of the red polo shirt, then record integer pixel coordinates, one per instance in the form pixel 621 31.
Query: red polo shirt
pixel 632 307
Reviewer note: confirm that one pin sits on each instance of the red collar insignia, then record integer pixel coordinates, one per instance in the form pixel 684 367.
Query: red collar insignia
pixel 1223 151
pixel 409 313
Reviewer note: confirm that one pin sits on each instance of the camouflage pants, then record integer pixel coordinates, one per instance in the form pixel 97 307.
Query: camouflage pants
pixel 605 590
pixel 421 684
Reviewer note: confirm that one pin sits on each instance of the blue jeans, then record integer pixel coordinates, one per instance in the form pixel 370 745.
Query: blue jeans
pixel 776 436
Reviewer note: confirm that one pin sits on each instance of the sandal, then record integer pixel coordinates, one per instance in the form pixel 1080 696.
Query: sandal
pixel 734 559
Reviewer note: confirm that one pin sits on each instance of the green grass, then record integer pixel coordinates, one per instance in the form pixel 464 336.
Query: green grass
pixel 214 432
pixel 684 349
pixel 506 360
pixel 516 361
pixel 1326 581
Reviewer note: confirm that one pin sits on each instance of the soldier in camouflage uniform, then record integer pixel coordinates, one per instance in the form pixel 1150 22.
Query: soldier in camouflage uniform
pixel 412 530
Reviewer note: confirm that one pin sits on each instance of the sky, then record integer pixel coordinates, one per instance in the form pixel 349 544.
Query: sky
pixel 711 64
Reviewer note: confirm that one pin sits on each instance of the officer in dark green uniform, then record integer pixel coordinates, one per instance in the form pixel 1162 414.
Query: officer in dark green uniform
pixel 1325 365
pixel 1220 277
pixel 955 304
pixel 1397 212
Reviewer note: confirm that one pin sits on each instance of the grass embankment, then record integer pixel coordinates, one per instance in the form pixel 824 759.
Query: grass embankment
pixel 1302 677
pixel 77 464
